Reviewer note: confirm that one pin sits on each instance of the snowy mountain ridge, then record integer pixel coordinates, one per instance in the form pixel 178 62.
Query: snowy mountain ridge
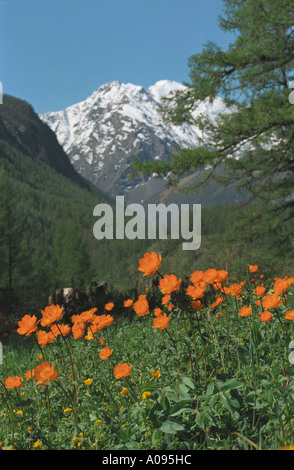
pixel 117 121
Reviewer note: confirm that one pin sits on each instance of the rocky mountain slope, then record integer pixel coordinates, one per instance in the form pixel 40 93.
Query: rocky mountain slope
pixel 103 133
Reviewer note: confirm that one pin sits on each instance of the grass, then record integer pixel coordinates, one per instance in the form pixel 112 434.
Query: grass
pixel 209 379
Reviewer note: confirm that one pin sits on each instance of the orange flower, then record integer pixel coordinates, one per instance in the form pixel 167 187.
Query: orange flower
pixel 141 306
pixel 105 352
pixel 122 370
pixel 103 320
pixel 165 299
pixel 265 316
pixel 109 306
pixel 30 374
pixel 61 329
pixel 157 311
pixel 221 275
pixel 78 330
pixel 88 315
pixel 196 305
pixel 271 301
pixel 45 373
pixel 14 382
pixel 45 338
pixel 161 321
pixel 102 340
pixel 234 289
pixel 150 263
pixel 218 301
pixel 245 311
pixel 260 291
pixel 195 292
pixel 27 325
pixel 253 268
pixel 128 303
pixel 210 276
pixel 196 276
pixel 281 285
pixel 169 284
pixel 51 314
pixel 289 315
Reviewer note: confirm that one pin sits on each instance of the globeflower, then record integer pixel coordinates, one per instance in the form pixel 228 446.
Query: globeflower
pixel 156 374
pixel 44 337
pixel 101 321
pixel 78 330
pixel 14 382
pixel 210 276
pixel 271 301
pixel 109 306
pixel 161 321
pixel 45 373
pixel 27 325
pixel 141 306
pixel 128 303
pixel 169 284
pixel 51 314
pixel 122 370
pixel 260 291
pixel 289 315
pixel 265 316
pixel 253 268
pixel 195 292
pixel 150 263
pixel 105 353
pixel 245 311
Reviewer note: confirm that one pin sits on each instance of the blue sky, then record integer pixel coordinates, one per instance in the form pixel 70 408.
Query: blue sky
pixel 54 53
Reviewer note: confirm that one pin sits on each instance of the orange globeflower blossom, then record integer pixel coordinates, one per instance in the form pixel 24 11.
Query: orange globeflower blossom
pixel 105 352
pixel 150 263
pixel 45 373
pixel 101 321
pixel 102 340
pixel 196 305
pixel 281 285
pixel 234 289
pixel 161 321
pixel 128 303
pixel 260 291
pixel 141 306
pixel 195 292
pixel 44 337
pixel 109 306
pixel 27 325
pixel 169 283
pixel 78 330
pixel 265 316
pixel 245 311
pixel 210 276
pixel 51 314
pixel 165 299
pixel 221 275
pixel 253 268
pixel 218 301
pixel 122 370
pixel 271 301
pixel 196 276
pixel 14 382
pixel 61 329
pixel 289 315
pixel 30 374
pixel 88 315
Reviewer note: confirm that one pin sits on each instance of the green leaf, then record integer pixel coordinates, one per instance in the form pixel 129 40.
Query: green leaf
pixel 182 410
pixel 187 381
pixel 171 427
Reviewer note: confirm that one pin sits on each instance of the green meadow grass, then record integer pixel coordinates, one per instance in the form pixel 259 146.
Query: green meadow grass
pixel 210 380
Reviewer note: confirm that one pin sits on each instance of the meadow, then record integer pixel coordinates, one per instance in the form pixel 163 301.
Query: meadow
pixel 197 363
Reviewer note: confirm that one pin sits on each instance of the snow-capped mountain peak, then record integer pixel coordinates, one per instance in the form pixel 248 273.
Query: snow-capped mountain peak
pixel 102 134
